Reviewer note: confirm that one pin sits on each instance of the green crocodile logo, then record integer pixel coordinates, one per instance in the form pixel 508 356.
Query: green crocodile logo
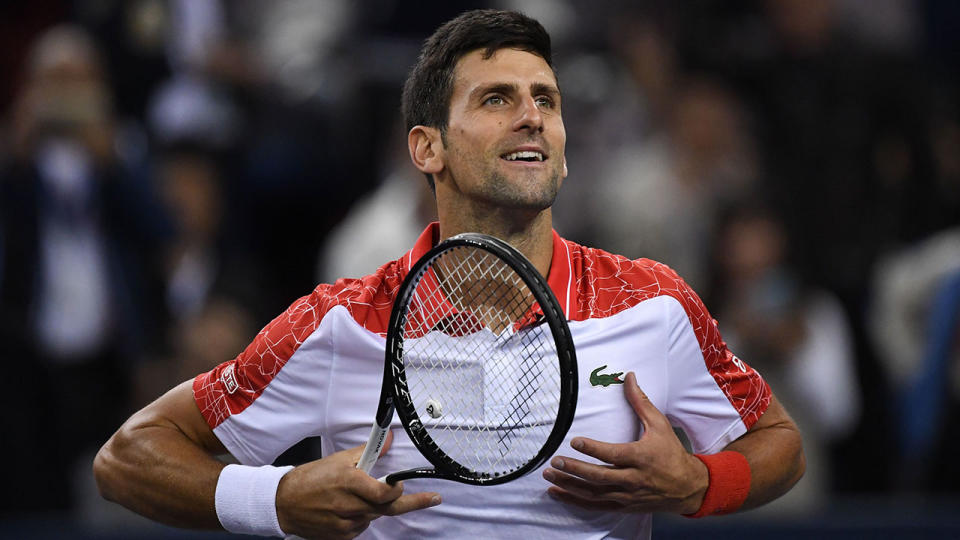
pixel 603 379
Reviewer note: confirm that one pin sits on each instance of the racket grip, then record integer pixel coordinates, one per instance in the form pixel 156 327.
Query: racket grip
pixel 372 450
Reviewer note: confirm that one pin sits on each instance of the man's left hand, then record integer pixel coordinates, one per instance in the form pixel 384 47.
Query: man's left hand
pixel 652 474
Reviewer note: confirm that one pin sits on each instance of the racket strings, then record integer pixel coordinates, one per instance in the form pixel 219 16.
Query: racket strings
pixel 494 387
pixel 531 374
pixel 467 288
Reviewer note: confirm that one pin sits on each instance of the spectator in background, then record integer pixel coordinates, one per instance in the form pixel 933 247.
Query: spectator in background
pixel 620 96
pixel 846 158
pixel 204 280
pixel 799 334
pixel 20 23
pixel 656 197
pixel 76 219
pixel 844 141
pixel 380 224
pixel 305 124
pixel 190 183
pixel 915 326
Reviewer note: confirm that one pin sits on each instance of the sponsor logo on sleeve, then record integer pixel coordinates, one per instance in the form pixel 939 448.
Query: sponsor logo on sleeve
pixel 229 379
pixel 739 363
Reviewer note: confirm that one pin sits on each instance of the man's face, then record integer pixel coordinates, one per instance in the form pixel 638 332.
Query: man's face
pixel 505 138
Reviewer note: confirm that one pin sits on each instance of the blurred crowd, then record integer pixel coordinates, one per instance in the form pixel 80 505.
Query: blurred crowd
pixel 174 173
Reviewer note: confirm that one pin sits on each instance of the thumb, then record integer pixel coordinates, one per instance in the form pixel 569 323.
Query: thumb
pixel 350 454
pixel 353 454
pixel 646 411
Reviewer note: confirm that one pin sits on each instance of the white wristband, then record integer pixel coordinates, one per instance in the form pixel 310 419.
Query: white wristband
pixel 246 499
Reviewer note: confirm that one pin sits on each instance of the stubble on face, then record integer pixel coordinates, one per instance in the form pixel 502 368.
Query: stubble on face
pixel 481 132
pixel 524 191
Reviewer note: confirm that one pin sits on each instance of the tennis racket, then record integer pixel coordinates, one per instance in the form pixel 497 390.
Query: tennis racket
pixel 480 365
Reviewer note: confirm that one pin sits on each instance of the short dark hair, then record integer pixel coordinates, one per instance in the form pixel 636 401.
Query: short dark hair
pixel 429 86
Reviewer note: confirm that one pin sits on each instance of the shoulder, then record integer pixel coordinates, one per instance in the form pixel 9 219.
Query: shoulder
pixel 233 385
pixel 368 300
pixel 607 283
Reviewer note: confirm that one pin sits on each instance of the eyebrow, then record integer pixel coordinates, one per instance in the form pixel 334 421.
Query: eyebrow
pixel 547 89
pixel 509 88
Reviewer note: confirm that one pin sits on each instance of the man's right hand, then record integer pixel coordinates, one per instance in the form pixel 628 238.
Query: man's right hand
pixel 332 498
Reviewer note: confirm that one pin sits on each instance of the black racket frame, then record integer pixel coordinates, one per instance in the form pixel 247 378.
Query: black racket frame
pixel 394 387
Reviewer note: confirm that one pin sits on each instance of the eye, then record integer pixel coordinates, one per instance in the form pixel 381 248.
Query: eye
pixel 544 102
pixel 494 100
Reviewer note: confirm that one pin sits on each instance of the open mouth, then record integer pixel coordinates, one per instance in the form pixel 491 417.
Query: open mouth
pixel 525 155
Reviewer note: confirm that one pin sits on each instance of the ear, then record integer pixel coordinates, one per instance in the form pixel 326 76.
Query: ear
pixel 426 149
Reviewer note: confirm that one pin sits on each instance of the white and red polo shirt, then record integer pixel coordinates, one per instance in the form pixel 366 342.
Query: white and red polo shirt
pixel 316 370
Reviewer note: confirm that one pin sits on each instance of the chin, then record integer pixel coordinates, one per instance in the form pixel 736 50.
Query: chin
pixel 529 193
pixel 531 202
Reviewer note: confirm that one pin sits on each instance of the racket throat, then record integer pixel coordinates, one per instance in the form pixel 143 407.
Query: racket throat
pixel 378 434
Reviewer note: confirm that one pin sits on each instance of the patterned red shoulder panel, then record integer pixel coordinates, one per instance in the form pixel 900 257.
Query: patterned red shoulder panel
pixel 232 386
pixel 606 284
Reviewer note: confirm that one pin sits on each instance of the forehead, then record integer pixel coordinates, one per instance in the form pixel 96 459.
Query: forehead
pixel 511 66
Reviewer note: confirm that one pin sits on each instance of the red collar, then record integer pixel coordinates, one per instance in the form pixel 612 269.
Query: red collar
pixel 559 277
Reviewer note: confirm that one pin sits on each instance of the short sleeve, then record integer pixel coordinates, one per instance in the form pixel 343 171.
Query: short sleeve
pixel 713 395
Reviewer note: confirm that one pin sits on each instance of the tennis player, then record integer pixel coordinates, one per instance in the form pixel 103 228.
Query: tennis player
pixel 483 110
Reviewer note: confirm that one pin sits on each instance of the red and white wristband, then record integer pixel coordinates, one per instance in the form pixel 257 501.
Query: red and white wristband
pixel 728 486
pixel 246 499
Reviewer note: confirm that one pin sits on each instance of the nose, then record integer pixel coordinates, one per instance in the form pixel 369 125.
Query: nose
pixel 529 116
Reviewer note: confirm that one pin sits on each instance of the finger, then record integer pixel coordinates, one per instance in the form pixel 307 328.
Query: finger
pixel 641 404
pixel 610 493
pixel 369 488
pixel 589 503
pixel 356 531
pixel 598 474
pixel 341 527
pixel 411 502
pixel 350 455
pixel 577 486
pixel 620 454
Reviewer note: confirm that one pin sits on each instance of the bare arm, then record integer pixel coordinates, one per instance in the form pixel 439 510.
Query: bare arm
pixel 656 474
pixel 774 450
pixel 159 464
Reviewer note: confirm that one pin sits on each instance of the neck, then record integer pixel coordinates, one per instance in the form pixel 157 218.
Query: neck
pixel 531 235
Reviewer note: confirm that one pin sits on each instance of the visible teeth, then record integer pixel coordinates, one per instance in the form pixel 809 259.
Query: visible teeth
pixel 526 154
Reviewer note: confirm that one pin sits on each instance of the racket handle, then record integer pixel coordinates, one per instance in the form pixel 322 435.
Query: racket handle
pixel 372 450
